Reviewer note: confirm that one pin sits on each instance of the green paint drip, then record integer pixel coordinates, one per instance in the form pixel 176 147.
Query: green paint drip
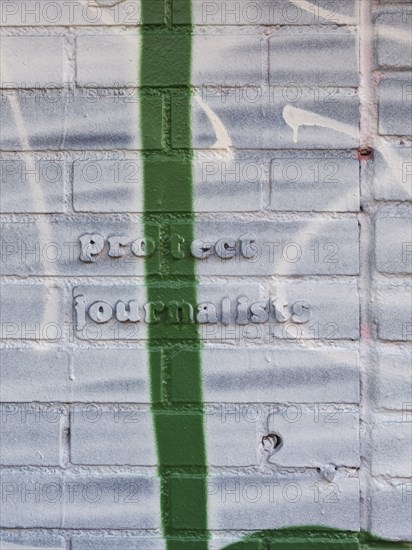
pixel 174 344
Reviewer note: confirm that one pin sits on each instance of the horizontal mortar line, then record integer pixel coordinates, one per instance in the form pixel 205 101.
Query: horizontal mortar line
pixel 173 216
pixel 217 341
pixel 389 478
pixel 74 85
pixel 203 154
pixel 278 345
pixel 279 86
pixel 170 277
pixel 275 26
pixel 392 69
pixel 92 472
pixel 351 406
pixel 248 217
pixel 383 411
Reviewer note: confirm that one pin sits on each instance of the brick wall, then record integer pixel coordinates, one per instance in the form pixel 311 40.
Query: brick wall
pixel 284 203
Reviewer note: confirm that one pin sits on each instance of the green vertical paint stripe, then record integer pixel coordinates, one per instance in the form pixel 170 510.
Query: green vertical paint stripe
pixel 174 343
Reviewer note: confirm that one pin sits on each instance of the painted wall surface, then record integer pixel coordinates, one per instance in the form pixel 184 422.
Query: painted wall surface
pixel 206 244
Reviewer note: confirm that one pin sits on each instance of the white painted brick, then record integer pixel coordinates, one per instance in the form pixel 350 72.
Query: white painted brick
pixel 30 434
pixel 228 183
pixel 393 313
pixel 110 542
pixel 391 510
pixel 51 13
pixel 32 185
pixel 99 437
pixel 40 114
pixel 85 119
pixel 313 59
pixel 31 61
pixel 314 184
pixel 393 36
pixel 393 172
pixel 80 502
pixel 232 438
pixel 316 124
pixel 109 121
pixel 394 241
pixel 395 104
pixel 54 248
pixel 228 59
pixel 30 540
pixel 392 449
pixel 31 312
pixel 108 60
pixel 392 381
pixel 315 436
pixel 311 436
pixel 75 375
pixel 220 185
pixel 272 502
pixel 108 185
pixel 284 248
pixel 246 12
pixel 250 375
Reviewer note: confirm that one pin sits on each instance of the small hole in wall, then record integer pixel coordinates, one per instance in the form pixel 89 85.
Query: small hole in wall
pixel 272 442
pixel 365 153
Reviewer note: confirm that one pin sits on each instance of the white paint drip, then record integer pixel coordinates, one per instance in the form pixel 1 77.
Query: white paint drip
pixel 35 190
pixel 223 140
pixel 295 118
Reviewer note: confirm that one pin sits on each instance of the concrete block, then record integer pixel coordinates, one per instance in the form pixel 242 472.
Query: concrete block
pixel 31 311
pixel 74 247
pixel 75 375
pixel 85 119
pixel 393 172
pixel 30 184
pixel 32 61
pixel 246 375
pixel 393 37
pixel 393 313
pixel 394 241
pixel 103 501
pixel 315 436
pixel 98 436
pixel 287 12
pixel 392 385
pixel 108 185
pixel 395 104
pixel 314 184
pixel 110 60
pixel 262 248
pixel 392 449
pixel 30 540
pixel 271 502
pixel 228 59
pixel 391 510
pixel 324 59
pixel 30 434
pixel 278 118
pixel 44 13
